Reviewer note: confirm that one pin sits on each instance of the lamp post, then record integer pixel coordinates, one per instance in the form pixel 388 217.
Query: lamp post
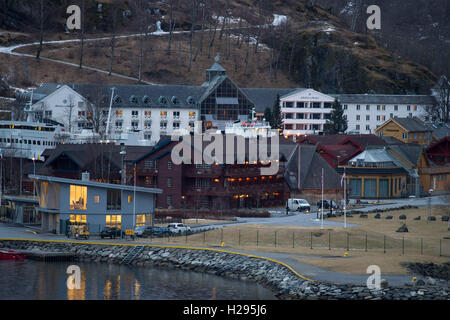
pixel 34 173
pixel 123 172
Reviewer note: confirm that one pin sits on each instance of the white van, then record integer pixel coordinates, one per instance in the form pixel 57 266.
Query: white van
pixel 298 205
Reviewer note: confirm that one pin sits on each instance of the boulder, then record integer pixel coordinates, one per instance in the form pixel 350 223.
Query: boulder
pixel 384 284
pixel 402 217
pixel 378 216
pixel 403 228
pixel 417 218
pixel 431 218
pixel 389 217
pixel 431 281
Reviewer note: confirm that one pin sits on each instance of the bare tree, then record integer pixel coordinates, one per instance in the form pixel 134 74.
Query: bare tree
pixel 114 9
pixel 171 25
pixel 441 111
pixel 41 31
pixel 83 23
pixel 191 35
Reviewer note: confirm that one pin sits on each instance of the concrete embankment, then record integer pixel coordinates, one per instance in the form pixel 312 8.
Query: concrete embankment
pixel 279 277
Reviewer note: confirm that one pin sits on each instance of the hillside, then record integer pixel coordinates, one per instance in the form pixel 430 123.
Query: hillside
pixel 257 47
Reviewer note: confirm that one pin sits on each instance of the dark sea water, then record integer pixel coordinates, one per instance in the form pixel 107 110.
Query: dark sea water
pixel 32 280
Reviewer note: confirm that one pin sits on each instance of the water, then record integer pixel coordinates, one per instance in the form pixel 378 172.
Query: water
pixel 32 280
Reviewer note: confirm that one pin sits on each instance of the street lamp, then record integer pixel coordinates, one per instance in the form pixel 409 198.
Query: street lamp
pixel 123 171
pixel 34 173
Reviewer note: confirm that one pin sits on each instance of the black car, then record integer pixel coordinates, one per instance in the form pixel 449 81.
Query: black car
pixel 111 232
pixel 160 231
pixel 326 204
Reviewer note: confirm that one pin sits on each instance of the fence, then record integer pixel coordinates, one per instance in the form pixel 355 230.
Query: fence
pixel 325 240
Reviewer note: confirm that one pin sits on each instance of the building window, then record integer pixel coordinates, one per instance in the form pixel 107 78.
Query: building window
pixel 288 104
pixel 203 182
pixel 328 105
pixel 169 165
pixel 191 114
pixel 368 127
pixel 78 219
pixel 134 113
pixel 130 199
pixel 378 107
pixel 119 113
pixel 383 118
pixel 358 107
pixel 163 114
pixel 391 116
pixel 135 124
pixel 96 199
pixel 148 136
pixel 140 220
pixel 147 113
pixel 113 200
pixel 288 116
pixel 147 124
pixel 368 107
pixel 163 125
pixel 317 105
pixel 114 220
pixel 176 114
pixel 316 116
pixel 378 118
pixel 395 108
pixel 78 196
pixel 300 116
pixel 169 200
pixel 414 108
pixel 368 118
pixel 119 124
pixel 408 108
pixel 357 127
pixel 176 125
pixel 384 107
pixel 48 113
pixel 358 117
pixel 169 182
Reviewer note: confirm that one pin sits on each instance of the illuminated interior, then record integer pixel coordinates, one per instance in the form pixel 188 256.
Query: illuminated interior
pixel 78 196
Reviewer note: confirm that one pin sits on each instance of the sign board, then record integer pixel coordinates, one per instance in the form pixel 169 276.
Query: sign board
pixel 129 232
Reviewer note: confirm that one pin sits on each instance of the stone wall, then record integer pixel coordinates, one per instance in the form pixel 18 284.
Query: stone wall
pixel 276 276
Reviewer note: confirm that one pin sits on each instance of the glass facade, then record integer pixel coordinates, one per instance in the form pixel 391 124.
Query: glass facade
pixel 226 111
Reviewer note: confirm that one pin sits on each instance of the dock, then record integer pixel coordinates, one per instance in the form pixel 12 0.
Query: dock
pixel 48 255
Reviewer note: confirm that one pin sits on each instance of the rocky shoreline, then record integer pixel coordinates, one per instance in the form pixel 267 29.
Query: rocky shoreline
pixel 275 276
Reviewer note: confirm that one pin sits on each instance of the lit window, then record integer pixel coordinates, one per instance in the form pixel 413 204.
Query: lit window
pixel 78 195
pixel 163 114
pixel 78 219
pixel 130 199
pixel 192 114
pixel 114 221
pixel 140 220
pixel 97 199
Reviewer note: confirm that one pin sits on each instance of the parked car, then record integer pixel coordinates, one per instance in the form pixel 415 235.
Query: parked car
pixel 299 205
pixel 143 231
pixel 160 231
pixel 326 204
pixel 111 232
pixel 179 228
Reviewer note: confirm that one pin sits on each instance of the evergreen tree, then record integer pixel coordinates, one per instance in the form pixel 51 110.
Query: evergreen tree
pixel 268 115
pixel 337 124
pixel 276 119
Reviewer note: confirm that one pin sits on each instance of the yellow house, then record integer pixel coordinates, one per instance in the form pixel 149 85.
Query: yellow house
pixel 408 130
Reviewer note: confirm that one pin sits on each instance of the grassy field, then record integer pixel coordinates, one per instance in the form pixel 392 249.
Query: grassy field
pixel 372 242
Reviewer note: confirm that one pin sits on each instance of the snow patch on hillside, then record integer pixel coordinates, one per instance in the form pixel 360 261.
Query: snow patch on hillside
pixel 278 19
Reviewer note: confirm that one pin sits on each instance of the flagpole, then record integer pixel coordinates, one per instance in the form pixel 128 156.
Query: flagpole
pixel 345 199
pixel 321 224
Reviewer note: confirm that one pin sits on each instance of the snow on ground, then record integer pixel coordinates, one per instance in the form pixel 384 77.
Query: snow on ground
pixel 278 19
pixel 229 19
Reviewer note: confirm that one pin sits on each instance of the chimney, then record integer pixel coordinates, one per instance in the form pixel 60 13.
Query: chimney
pixel 85 176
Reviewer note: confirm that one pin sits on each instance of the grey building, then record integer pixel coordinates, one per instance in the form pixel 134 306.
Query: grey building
pixel 94 203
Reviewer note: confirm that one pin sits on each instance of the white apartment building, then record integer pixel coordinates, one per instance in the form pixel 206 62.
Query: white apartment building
pixel 306 111
pixel 149 110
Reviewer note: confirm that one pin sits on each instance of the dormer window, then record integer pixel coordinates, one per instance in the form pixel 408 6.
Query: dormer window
pixel 190 100
pixel 162 100
pixel 175 100
pixel 117 99
pixel 134 99
pixel 146 100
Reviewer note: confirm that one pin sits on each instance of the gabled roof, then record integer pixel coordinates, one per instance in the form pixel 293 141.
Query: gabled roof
pixel 264 97
pixel 311 164
pixel 413 124
pixel 409 152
